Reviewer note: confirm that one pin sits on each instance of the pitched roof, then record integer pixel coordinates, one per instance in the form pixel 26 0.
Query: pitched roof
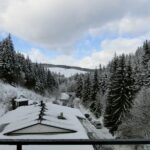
pixel 64 96
pixel 27 116
pixel 21 100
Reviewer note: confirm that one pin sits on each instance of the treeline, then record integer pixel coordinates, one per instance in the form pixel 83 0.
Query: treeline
pixel 69 67
pixel 15 69
pixel 111 90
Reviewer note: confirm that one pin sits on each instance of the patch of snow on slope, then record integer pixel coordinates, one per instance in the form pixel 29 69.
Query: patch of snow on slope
pixel 8 92
pixel 66 72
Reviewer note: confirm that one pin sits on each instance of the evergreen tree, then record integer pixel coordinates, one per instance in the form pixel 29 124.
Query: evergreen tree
pixel 1 59
pixel 97 106
pixel 94 91
pixel 108 122
pixel 146 64
pixel 86 92
pixel 8 70
pixel 138 77
pixel 30 73
pixel 146 56
pixel 20 67
pixel 120 96
pixel 39 79
pixel 16 69
pixel 49 81
pixel 79 87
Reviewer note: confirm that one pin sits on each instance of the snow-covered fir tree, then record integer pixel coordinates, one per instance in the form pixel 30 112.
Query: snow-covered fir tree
pixel 8 70
pixel 146 63
pixel 29 74
pixel 97 106
pixel 16 69
pixel 95 89
pixel 86 92
pixel 121 94
pixel 108 121
pixel 79 87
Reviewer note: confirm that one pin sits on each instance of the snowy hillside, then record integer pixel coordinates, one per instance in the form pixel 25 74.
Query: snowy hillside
pixel 66 72
pixel 8 92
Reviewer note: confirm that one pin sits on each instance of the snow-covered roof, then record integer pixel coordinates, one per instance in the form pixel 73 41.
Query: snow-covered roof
pixel 27 115
pixel 21 100
pixel 64 96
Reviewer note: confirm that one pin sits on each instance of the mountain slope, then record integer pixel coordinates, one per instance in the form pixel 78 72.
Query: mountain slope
pixel 67 71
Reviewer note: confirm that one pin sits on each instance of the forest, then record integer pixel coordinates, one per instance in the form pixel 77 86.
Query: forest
pixel 119 92
pixel 15 69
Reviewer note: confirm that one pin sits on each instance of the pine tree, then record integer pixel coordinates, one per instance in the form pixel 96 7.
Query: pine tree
pixel 108 122
pixel 30 74
pixel 20 68
pixel 39 78
pixel 1 60
pixel 86 92
pixel 137 77
pixel 94 91
pixel 51 82
pixel 146 56
pixel 97 106
pixel 145 63
pixel 8 70
pixel 79 87
pixel 16 69
pixel 120 96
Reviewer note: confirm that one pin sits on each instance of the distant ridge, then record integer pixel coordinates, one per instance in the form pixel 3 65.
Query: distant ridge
pixel 68 67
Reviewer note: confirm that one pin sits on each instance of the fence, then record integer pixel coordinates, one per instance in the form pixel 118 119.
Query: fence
pixel 20 142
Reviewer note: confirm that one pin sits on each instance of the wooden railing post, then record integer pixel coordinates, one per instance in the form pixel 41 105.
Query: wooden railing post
pixel 19 147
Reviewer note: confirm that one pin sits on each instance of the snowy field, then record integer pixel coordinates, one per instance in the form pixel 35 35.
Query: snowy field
pixel 66 72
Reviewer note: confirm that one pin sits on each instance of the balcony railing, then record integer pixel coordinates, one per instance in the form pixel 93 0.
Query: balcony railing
pixel 20 142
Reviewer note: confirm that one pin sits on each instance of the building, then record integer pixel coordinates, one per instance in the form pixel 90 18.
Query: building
pixel 64 99
pixel 21 101
pixel 48 121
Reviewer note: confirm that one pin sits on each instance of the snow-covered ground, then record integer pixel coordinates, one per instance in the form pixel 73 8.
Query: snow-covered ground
pixel 97 133
pixel 66 72
pixel 104 133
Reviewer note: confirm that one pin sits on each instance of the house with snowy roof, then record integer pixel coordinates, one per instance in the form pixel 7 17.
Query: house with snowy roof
pixel 21 101
pixel 64 99
pixel 44 121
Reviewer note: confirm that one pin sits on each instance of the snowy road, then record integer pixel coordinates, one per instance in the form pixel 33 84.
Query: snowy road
pixel 91 130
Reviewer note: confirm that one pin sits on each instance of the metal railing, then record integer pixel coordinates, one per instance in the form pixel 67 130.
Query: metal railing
pixel 20 142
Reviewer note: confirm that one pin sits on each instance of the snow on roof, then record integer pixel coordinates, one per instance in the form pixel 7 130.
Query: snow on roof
pixel 21 100
pixel 28 115
pixel 64 96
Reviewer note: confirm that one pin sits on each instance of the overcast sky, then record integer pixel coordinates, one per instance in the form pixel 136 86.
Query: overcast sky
pixel 82 33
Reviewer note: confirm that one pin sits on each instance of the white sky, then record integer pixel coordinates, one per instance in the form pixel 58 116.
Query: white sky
pixel 60 25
